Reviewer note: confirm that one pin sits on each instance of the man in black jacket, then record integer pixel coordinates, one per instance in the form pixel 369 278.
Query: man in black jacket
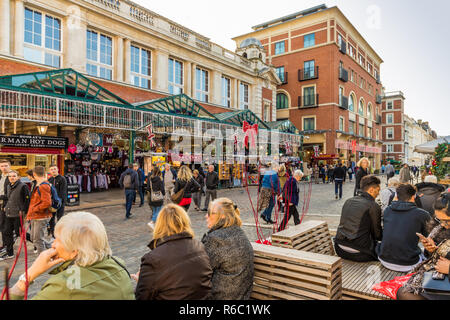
pixel 360 225
pixel 18 198
pixel 339 179
pixel 399 250
pixel 212 183
pixel 60 184
pixel 5 168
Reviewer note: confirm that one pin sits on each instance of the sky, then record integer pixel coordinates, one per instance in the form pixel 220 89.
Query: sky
pixel 411 36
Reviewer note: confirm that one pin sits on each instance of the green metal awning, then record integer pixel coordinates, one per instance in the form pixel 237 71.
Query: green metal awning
pixel 177 105
pixel 238 118
pixel 63 83
pixel 285 126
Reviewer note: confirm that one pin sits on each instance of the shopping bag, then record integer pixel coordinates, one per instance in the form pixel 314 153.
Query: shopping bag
pixel 390 288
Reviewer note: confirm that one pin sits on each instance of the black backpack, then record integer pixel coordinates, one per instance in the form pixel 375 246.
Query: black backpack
pixel 391 197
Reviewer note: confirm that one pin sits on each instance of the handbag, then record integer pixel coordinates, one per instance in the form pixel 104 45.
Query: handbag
pixel 155 196
pixel 434 286
pixel 177 197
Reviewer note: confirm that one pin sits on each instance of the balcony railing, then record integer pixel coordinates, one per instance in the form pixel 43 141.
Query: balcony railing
pixel 113 4
pixel 308 101
pixel 308 74
pixel 141 15
pixel 343 47
pixel 201 43
pixel 343 74
pixel 179 32
pixel 344 103
pixel 378 99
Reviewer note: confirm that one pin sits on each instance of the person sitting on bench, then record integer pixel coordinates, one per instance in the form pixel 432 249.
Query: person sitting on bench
pixel 399 250
pixel 360 225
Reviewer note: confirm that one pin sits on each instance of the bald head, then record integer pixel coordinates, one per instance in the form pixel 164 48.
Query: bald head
pixel 210 168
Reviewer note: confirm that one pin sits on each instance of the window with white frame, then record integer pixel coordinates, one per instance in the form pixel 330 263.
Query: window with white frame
pixel 280 47
pixel 389 118
pixel 266 112
pixel 201 84
pixel 369 132
pixel 99 55
pixel 226 92
pixel 175 76
pixel 377 134
pixel 369 68
pixel 341 94
pixel 351 103
pixel 389 148
pixel 42 38
pixel 341 124
pixel 390 133
pixel 141 67
pixel 369 111
pixel 361 60
pixel 390 105
pixel 352 77
pixel 243 96
pixel 281 74
pixel 309 124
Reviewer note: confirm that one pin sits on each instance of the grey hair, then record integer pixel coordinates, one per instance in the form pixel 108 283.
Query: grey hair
pixel 298 173
pixel 431 179
pixel 393 182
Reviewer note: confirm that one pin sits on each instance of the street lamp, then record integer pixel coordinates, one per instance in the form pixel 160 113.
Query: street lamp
pixel 42 128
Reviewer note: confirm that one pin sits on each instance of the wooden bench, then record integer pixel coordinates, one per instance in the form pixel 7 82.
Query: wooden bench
pixel 310 236
pixel 289 274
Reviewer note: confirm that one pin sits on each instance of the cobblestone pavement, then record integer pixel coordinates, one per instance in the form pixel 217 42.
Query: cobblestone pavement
pixel 129 239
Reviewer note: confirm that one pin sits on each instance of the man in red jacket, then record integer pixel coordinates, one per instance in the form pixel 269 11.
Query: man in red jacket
pixel 39 210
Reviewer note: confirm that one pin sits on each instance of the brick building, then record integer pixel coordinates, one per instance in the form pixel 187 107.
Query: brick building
pixel 393 126
pixel 331 82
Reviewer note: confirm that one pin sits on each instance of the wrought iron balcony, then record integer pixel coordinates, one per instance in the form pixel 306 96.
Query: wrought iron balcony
pixel 308 74
pixel 378 119
pixel 344 103
pixel 308 101
pixel 343 74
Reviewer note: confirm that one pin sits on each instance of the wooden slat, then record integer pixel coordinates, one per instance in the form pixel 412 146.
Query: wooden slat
pixel 304 292
pixel 295 267
pixel 304 227
pixel 292 274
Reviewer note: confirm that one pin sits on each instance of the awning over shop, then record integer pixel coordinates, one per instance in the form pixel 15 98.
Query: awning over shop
pixel 285 126
pixel 238 118
pixel 430 147
pixel 63 83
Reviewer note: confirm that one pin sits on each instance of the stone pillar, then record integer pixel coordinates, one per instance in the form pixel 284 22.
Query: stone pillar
pixel 126 54
pixel 75 49
pixel 215 87
pixel 188 78
pixel 119 60
pixel 161 72
pixel 5 28
pixel 19 28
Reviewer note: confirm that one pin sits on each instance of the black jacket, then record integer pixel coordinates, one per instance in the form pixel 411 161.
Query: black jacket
pixel 340 173
pixel 401 221
pixel 177 269
pixel 201 181
pixel 18 196
pixel 157 185
pixel 428 193
pixel 7 183
pixel 192 186
pixel 60 184
pixel 361 173
pixel 360 225
pixel 212 180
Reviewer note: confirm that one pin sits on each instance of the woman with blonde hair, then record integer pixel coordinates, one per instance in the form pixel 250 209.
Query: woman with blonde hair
pixel 177 267
pixel 185 181
pixel 363 170
pixel 229 251
pixel 88 270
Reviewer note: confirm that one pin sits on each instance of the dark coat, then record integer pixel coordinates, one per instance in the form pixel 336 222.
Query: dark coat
pixel 192 186
pixel 60 184
pixel 340 173
pixel 361 173
pixel 18 196
pixel 212 180
pixel 401 221
pixel 428 194
pixel 200 180
pixel 290 192
pixel 134 179
pixel 360 225
pixel 177 269
pixel 231 256
pixel 157 185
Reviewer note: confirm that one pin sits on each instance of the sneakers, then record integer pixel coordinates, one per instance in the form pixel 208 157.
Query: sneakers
pixel 151 226
pixel 264 218
pixel 5 256
pixel 2 249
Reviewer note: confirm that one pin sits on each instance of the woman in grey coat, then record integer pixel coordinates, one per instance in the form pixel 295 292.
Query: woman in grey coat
pixel 229 251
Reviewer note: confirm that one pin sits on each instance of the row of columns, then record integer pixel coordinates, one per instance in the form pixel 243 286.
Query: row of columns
pixel 12 11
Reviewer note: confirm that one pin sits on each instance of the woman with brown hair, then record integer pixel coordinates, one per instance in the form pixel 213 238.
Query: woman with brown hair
pixel 229 251
pixel 177 267
pixel 187 182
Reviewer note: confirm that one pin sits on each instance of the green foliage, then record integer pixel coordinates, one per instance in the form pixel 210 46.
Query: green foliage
pixel 441 168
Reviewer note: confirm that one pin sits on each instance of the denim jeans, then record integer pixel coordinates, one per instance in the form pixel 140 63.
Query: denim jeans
pixel 338 186
pixel 130 194
pixel 38 228
pixel 142 194
pixel 268 212
pixel 156 211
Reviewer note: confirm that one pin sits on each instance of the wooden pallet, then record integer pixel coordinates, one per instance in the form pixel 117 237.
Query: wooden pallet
pixel 358 279
pixel 310 236
pixel 289 274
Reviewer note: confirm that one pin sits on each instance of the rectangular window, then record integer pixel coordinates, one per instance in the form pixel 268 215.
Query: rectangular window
pixel 341 124
pixel 390 105
pixel 201 84
pixel 341 93
pixel 141 67
pixel 226 92
pixel 175 76
pixel 352 79
pixel 369 68
pixel 99 55
pixel 36 49
pixel 309 124
pixel 351 127
pixel 309 40
pixel 390 118
pixel 243 96
pixel 281 74
pixel 309 71
pixel 369 132
pixel 389 148
pixel 378 134
pixel 266 113
pixel 361 130
pixel 309 96
pixel 390 133
pixel 361 60
pixel 280 47
pixel 351 51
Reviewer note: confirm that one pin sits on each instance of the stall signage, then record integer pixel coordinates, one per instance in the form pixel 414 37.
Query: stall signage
pixel 21 141
pixel 73 195
pixel 108 140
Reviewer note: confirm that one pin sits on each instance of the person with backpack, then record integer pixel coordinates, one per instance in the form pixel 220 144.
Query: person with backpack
pixel 350 173
pixel 388 194
pixel 60 184
pixel 129 180
pixel 39 210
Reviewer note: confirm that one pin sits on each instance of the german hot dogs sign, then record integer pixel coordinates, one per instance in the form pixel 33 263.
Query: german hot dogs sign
pixel 25 141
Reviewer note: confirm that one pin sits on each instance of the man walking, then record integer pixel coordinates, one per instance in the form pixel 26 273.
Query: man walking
pixel 390 171
pixel 5 167
pixel 405 174
pixel 290 197
pixel 141 176
pixel 129 180
pixel 60 184
pixel 39 213
pixel 18 197
pixel 169 176
pixel 339 179
pixel 212 183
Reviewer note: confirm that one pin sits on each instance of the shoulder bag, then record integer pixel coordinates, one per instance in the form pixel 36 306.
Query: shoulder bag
pixel 177 197
pixel 155 196
pixel 432 285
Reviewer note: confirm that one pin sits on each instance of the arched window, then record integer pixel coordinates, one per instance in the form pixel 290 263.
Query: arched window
pixel 351 103
pixel 369 111
pixel 282 101
pixel 361 108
